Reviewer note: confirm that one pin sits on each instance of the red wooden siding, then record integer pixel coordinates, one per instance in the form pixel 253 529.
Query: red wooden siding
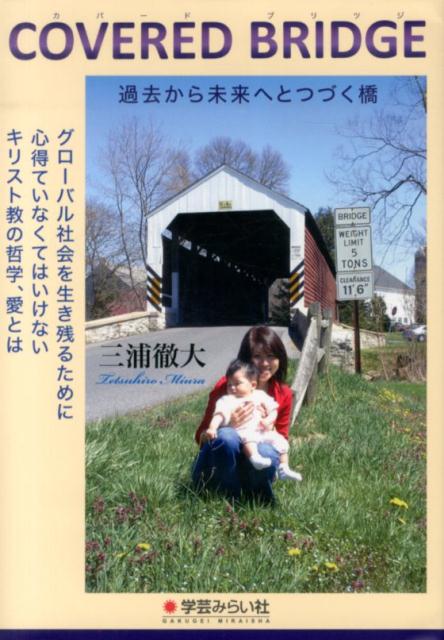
pixel 319 281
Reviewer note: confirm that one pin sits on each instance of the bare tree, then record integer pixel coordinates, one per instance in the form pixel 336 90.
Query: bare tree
pixel 267 167
pixel 143 170
pixel 136 161
pixel 223 150
pixel 180 174
pixel 383 163
pixel 271 169
pixel 103 256
pixel 101 238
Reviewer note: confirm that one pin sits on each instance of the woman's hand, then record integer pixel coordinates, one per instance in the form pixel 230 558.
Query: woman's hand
pixel 241 414
pixel 207 436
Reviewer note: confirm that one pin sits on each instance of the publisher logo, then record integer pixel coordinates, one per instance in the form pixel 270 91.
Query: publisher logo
pixel 170 607
pixel 216 611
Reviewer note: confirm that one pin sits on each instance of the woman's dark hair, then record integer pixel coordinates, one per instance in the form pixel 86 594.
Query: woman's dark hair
pixel 264 338
pixel 250 369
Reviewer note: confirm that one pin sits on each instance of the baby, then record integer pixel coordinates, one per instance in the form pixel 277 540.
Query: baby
pixel 241 386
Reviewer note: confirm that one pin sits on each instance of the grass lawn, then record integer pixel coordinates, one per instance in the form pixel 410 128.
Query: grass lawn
pixel 355 523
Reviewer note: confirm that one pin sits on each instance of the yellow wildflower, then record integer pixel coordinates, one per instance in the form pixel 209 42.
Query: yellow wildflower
pixel 391 396
pixel 294 551
pixel 332 566
pixel 143 546
pixel 397 502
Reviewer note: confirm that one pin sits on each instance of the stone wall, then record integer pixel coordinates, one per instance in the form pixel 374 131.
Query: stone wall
pixel 343 344
pixel 128 324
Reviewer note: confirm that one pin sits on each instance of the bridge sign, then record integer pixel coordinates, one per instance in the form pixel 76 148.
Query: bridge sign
pixel 352 215
pixel 353 248
pixel 353 240
pixel 354 286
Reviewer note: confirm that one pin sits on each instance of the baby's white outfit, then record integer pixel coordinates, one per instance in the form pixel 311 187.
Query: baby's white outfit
pixel 252 431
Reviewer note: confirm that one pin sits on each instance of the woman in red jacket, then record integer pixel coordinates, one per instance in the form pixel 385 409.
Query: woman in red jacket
pixel 221 465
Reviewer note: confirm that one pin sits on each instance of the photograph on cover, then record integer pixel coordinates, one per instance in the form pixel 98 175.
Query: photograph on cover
pixel 240 232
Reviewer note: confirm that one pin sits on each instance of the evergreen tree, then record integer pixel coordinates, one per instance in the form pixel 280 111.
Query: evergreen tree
pixel 372 314
pixel 421 285
pixel 326 224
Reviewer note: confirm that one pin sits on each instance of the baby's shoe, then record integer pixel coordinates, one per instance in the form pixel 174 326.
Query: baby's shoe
pixel 285 473
pixel 259 462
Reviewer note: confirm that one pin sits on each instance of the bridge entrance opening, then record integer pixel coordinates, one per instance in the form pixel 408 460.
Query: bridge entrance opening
pixel 218 267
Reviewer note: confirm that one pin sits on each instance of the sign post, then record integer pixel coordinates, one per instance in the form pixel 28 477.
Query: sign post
pixel 358 368
pixel 354 263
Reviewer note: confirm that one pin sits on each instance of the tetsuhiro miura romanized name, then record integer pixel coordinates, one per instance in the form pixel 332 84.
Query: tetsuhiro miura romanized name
pixel 141 378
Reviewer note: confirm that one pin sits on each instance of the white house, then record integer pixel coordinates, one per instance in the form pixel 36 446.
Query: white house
pixel 398 297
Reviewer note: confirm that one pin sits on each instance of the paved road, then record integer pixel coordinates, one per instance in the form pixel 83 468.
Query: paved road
pixel 113 389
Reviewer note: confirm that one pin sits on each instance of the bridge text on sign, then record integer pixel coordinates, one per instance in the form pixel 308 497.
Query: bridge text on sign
pixel 352 215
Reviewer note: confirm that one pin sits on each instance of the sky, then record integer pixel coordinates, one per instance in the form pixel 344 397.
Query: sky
pixel 304 125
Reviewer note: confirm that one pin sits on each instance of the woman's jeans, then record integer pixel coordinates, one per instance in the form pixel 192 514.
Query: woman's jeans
pixel 222 466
